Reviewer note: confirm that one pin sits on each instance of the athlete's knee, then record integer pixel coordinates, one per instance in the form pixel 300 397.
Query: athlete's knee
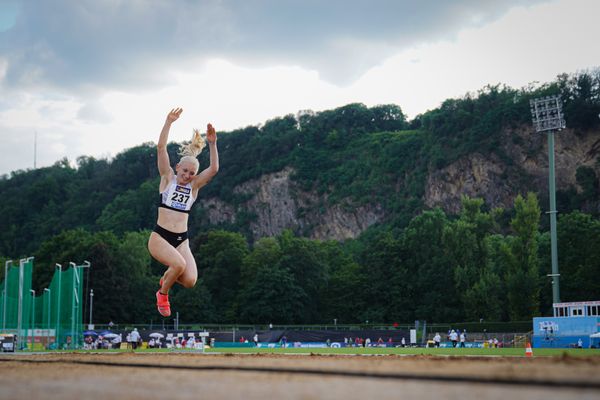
pixel 179 267
pixel 188 282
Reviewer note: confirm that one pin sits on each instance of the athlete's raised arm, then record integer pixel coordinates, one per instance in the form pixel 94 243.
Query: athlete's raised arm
pixel 164 166
pixel 207 174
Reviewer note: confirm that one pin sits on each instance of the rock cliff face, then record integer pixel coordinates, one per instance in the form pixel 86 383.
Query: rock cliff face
pixel 279 204
pixel 499 182
pixel 276 203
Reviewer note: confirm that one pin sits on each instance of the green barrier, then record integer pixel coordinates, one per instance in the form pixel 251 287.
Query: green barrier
pixel 54 318
pixel 17 300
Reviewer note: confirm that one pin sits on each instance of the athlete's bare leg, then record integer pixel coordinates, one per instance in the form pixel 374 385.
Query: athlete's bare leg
pixel 163 252
pixel 190 274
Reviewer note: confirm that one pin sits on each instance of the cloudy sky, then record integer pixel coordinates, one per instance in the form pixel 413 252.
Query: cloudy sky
pixel 94 77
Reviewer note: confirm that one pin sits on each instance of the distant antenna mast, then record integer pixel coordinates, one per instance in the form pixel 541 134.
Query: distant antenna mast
pixel 35 150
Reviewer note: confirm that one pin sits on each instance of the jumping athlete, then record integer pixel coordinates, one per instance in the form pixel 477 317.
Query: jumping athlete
pixel 169 242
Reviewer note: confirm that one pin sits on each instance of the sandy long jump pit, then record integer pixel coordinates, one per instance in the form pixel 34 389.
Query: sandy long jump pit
pixel 163 376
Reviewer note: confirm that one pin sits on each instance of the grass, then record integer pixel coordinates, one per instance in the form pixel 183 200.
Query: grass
pixel 467 352
pixel 504 352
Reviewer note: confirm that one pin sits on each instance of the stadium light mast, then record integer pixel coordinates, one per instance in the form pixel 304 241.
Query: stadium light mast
pixel 547 116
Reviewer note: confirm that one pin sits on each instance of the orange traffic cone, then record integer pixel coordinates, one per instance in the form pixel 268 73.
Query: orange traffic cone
pixel 528 351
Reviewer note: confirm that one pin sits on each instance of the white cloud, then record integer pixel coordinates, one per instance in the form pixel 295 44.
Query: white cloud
pixel 116 94
pixel 528 44
pixel 126 44
pixel 94 111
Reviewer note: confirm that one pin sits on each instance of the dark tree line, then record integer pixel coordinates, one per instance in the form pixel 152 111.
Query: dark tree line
pixel 439 268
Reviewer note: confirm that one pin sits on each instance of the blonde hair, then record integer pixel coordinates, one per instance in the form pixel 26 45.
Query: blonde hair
pixel 194 147
pixel 190 150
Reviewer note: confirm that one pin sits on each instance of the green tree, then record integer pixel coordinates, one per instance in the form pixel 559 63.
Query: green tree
pixel 305 260
pixel 487 297
pixel 131 211
pixel 578 237
pixel 344 294
pixel 220 255
pixel 194 304
pixel 434 295
pixel 521 254
pixel 387 289
pixel 265 253
pixel 273 297
pixel 344 299
pixel 465 244
pixel 140 284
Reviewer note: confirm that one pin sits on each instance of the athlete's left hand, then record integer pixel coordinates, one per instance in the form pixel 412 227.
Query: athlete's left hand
pixel 211 134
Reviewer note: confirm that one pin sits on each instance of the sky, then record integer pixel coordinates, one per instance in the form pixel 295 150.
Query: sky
pixel 95 77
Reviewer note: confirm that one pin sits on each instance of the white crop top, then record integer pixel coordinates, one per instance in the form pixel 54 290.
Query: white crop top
pixel 177 197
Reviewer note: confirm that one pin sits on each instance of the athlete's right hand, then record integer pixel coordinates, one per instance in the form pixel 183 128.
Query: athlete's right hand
pixel 174 114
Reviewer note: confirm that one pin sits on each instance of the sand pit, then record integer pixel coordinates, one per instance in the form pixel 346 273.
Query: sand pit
pixel 162 376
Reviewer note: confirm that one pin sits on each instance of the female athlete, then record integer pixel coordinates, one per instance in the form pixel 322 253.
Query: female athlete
pixel 169 242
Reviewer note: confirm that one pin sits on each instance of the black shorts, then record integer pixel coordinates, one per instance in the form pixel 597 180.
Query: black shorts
pixel 174 239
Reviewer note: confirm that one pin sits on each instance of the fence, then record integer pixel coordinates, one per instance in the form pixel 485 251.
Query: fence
pixel 50 320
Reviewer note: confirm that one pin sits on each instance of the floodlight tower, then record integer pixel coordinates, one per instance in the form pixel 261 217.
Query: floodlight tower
pixel 547 116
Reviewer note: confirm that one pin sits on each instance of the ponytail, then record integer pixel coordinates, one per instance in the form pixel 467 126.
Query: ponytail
pixel 194 147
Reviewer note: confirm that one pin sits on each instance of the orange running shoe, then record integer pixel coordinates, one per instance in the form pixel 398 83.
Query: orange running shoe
pixel 163 305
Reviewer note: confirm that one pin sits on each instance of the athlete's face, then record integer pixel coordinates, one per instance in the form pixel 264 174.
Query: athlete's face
pixel 186 171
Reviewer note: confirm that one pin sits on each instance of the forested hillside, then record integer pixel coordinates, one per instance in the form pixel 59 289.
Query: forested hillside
pixel 354 213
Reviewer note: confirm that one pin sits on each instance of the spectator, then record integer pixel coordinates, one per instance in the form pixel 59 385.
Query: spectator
pixel 462 339
pixel 134 336
pixel 68 342
pixel 453 337
pixel 116 342
pixel 437 339
pixel 255 339
pixel 403 342
pixel 191 343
